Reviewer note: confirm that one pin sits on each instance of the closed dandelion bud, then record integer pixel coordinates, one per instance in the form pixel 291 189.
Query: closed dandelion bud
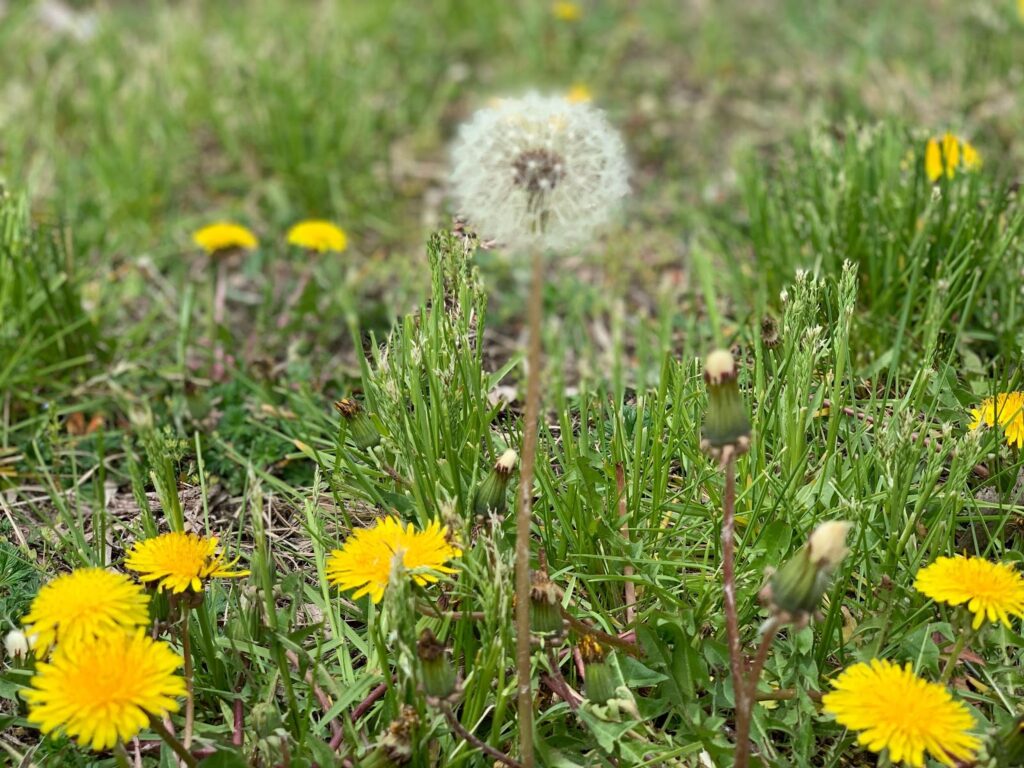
pixel 726 423
pixel 491 494
pixel 794 591
pixel 600 679
pixel 545 605
pixel 16 644
pixel 360 426
pixel 438 675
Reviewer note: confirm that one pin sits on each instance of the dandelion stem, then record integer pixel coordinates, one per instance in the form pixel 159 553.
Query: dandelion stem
pixel 190 701
pixel 465 735
pixel 524 515
pixel 954 656
pixel 731 621
pixel 121 756
pixel 176 746
pixel 220 289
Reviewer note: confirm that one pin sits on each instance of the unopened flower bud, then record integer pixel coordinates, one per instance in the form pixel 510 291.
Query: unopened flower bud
pixel 394 748
pixel 438 675
pixel 600 678
pixel 545 605
pixel 360 426
pixel 794 591
pixel 490 496
pixel 16 644
pixel 726 424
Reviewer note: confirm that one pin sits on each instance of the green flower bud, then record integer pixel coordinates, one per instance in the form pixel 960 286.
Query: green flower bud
pixel 726 423
pixel 490 495
pixel 545 605
pixel 794 591
pixel 437 673
pixel 600 679
pixel 360 426
pixel 394 748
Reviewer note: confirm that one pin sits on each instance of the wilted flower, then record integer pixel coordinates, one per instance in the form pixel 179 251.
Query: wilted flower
pixel 726 424
pixel 360 426
pixel 438 674
pixel 949 155
pixel 224 236
pixel 491 494
pixel 539 171
pixel 317 235
pixel 545 604
pixel 794 590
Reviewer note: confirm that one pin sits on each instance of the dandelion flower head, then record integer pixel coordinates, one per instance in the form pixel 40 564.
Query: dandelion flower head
pixel 179 561
pixel 570 11
pixel 83 604
pixel 365 560
pixel 579 94
pixel 539 171
pixel 897 711
pixel 949 155
pixel 991 591
pixel 319 236
pixel 224 236
pixel 1005 410
pixel 104 690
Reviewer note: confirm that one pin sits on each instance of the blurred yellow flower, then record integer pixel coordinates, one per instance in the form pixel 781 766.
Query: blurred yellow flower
pixel 567 11
pixel 1005 410
pixel 224 236
pixel 948 155
pixel 992 591
pixel 83 604
pixel 179 561
pixel 103 691
pixel 365 560
pixel 897 711
pixel 579 94
pixel 320 236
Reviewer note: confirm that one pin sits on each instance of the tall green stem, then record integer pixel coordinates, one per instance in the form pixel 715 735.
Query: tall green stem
pixel 525 512
pixel 954 655
pixel 168 738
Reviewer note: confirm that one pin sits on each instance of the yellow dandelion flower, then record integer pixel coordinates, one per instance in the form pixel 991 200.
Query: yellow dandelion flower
pixel 104 690
pixel 1005 410
pixel 365 560
pixel 179 561
pixel 579 94
pixel 224 236
pixel 320 236
pixel 897 711
pixel 567 11
pixel 993 591
pixel 949 155
pixel 83 604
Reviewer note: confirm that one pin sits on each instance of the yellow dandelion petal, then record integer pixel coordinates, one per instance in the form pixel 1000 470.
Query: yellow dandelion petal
pixel 897 711
pixel 567 11
pixel 1005 410
pixel 950 153
pixel 365 560
pixel 224 236
pixel 83 604
pixel 179 561
pixel 971 158
pixel 932 160
pixel 991 591
pixel 320 236
pixel 579 94
pixel 104 689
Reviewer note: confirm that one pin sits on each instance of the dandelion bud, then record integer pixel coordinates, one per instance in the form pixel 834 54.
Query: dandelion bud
pixel 490 494
pixel 545 605
pixel 600 679
pixel 794 591
pixel 16 644
pixel 726 424
pixel 438 675
pixel 360 426
pixel 395 747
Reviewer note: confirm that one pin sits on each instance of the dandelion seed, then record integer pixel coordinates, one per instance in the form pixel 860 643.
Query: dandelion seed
pixel 319 236
pixel 179 561
pixel 84 604
pixel 1005 410
pixel 104 690
pixel 364 562
pixel 224 236
pixel 991 591
pixel 897 711
pixel 539 171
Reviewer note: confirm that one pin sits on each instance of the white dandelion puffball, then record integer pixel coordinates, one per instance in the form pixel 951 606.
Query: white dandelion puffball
pixel 539 171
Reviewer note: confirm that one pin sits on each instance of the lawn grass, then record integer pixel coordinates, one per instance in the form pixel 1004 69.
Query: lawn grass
pixel 780 209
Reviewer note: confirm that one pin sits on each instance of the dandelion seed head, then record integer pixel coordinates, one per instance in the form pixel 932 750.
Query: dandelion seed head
pixel 539 171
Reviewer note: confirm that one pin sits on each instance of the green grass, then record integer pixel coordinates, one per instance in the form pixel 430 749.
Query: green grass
pixel 779 185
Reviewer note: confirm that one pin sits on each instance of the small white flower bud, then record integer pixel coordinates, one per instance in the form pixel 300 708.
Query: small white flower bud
pixel 828 543
pixel 16 644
